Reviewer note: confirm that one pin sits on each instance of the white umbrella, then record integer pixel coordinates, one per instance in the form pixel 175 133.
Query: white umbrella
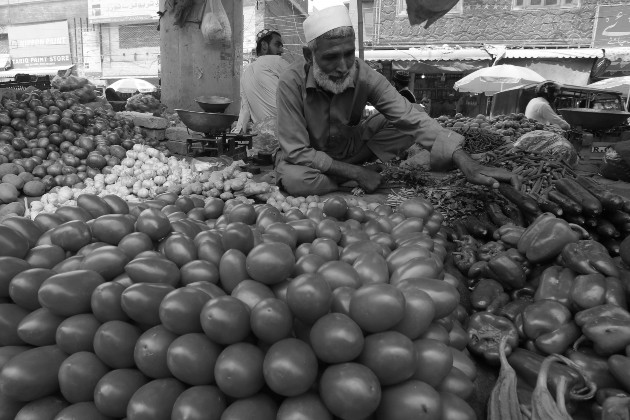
pixel 132 86
pixel 615 84
pixel 490 80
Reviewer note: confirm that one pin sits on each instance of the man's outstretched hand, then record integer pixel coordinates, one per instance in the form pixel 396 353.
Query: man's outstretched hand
pixel 368 179
pixel 479 174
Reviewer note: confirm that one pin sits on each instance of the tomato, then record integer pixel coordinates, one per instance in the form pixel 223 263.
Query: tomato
pixel 239 370
pixel 153 270
pixel 114 390
pixel 180 249
pixel 435 361
pixel 77 333
pixel 72 235
pixel 225 320
pixel 9 268
pixel 377 307
pixel 390 355
pixel 415 238
pixel 106 302
pixel 238 236
pixel 259 407
pixel 325 248
pixel 280 290
pixel 81 410
pixel 271 320
pixel 339 274
pixel 232 269
pixel 91 247
pixel 78 376
pixel 155 400
pixel 199 270
pixel 444 296
pixel 109 261
pixel 244 213
pixel 309 297
pixel 12 243
pixel 408 399
pixel 69 264
pixel 135 243
pixel 25 227
pixel 117 204
pixel 351 236
pixel 154 223
pixel 199 403
pixel 180 310
pixel 383 239
pixel 32 374
pixel 43 408
pixel 45 256
pixel 418 314
pixel 68 294
pixel 464 363
pixel 457 383
pixel 307 264
pixel 150 254
pixel 208 288
pixel 210 250
pixel 336 338
pixel 306 230
pixel 141 302
pixel 294 214
pixel 9 407
pixel 7 352
pixel 270 263
pixel 114 343
pixel 415 207
pixel 341 300
pixel 290 367
pixel 47 221
pixel 94 204
pixel 150 350
pixel 437 332
pixel 112 228
pixel 251 292
pixel 458 337
pixel 335 207
pixel 268 216
pixel 371 268
pixel 417 268
pixel 356 213
pixel 69 213
pixel 308 406
pixel 329 229
pixel 24 286
pixel 284 232
pixel 38 328
pixel 409 225
pixel 350 390
pixel 350 253
pixel 191 359
pixel 455 408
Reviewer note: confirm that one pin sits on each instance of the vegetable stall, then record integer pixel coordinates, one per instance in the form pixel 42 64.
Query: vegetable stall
pixel 134 286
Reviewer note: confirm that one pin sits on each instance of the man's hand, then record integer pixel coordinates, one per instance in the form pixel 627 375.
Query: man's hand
pixel 368 179
pixel 476 173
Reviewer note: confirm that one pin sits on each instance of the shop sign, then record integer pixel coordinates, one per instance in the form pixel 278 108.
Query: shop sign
pixel 121 11
pixel 612 26
pixel 91 52
pixel 39 45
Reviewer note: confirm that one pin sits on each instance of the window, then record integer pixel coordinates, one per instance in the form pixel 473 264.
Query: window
pixel 401 8
pixel 138 36
pixel 544 4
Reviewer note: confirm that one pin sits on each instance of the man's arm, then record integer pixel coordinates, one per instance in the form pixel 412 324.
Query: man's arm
pixel 552 117
pixel 243 116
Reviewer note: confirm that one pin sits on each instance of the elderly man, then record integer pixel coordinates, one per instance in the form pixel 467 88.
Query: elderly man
pixel 322 138
pixel 259 81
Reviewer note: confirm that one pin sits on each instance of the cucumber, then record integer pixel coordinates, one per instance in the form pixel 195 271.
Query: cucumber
pixel 475 227
pixel 496 215
pixel 522 201
pixel 568 206
pixel 591 206
pixel 618 217
pixel 612 245
pixel 578 219
pixel 606 229
pixel 549 206
pixel 610 201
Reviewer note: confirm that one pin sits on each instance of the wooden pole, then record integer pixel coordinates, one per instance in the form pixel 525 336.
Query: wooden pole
pixel 360 27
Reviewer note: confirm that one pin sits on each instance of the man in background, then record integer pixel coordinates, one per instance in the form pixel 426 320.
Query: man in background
pixel 541 109
pixel 259 80
pixel 401 82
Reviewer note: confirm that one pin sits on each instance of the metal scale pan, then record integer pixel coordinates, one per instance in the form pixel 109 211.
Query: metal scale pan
pixel 593 119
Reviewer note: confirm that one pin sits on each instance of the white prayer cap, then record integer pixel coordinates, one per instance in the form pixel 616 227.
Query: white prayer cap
pixel 322 21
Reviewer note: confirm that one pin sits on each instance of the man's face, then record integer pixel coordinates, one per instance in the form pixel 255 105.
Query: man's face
pixel 333 63
pixel 275 46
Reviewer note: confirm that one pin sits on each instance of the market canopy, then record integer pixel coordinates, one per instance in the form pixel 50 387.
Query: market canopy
pixel 491 80
pixel 132 86
pixel 432 60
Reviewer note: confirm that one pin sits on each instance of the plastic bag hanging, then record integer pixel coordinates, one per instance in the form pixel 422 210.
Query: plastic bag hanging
pixel 420 11
pixel 210 26
pixel 226 34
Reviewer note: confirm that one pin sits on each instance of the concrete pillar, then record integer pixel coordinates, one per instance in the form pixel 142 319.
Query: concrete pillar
pixel 192 68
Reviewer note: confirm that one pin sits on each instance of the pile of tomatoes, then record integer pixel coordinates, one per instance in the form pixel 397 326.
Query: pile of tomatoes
pixel 180 308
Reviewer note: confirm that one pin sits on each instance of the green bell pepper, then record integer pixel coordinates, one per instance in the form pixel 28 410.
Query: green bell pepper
pixel 485 331
pixel 555 283
pixel 607 310
pixel 595 367
pixel 508 235
pixel 545 238
pixel 548 323
pixel 616 408
pixel 514 307
pixel 588 291
pixel 616 292
pixel 620 368
pixel 507 270
pixel 609 335
pixel 589 257
pixel 484 293
pixel 559 340
pixel 489 250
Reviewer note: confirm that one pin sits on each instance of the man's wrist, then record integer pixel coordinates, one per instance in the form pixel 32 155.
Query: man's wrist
pixel 460 157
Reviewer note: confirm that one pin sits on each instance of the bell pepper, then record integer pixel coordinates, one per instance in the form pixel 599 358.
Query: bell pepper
pixel 548 323
pixel 589 257
pixel 609 335
pixel 595 367
pixel 603 394
pixel 508 235
pixel 507 270
pixel 484 293
pixel 485 331
pixel 616 292
pixel 545 238
pixel 479 269
pixel 555 283
pixel 514 307
pixel 489 250
pixel 607 310
pixel 620 368
pixel 588 291
pixel 616 408
pixel 527 364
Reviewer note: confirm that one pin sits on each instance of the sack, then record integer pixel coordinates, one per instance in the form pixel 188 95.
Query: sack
pixel 616 165
pixel 548 142
pixel 420 11
pixel 215 24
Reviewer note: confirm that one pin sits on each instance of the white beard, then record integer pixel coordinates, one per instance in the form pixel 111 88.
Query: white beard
pixel 335 87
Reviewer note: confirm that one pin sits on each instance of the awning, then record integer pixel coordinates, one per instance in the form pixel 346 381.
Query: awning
pixel 561 53
pixel 35 71
pixel 619 62
pixel 433 60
